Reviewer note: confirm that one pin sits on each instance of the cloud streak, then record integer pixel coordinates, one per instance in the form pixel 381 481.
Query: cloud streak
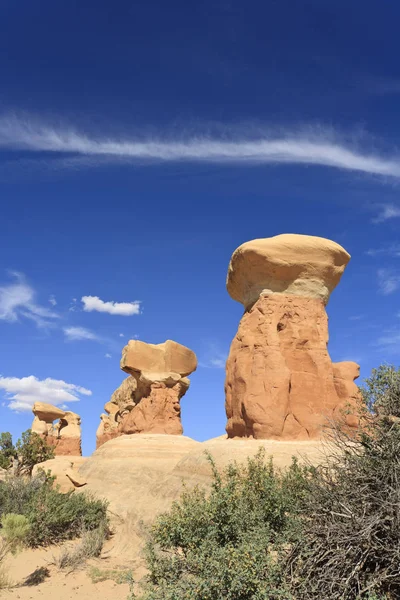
pixel 22 393
pixel 76 334
pixel 214 357
pixel 386 250
pixel 388 281
pixel 311 147
pixel 387 211
pixel 17 299
pixel 125 309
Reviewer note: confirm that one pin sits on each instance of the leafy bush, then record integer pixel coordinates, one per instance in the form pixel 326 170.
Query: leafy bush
pixel 351 546
pixel 30 450
pixel 7 450
pixel 231 543
pixel 381 391
pixel 14 531
pixel 53 516
pixel 18 493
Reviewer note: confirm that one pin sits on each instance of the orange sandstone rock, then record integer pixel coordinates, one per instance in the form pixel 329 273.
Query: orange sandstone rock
pixel 148 401
pixel 280 380
pixel 158 412
pixel 65 435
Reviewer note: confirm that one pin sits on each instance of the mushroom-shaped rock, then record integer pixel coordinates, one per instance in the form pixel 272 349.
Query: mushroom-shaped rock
pixel 47 412
pixel 280 380
pixel 65 435
pixel 300 265
pixel 148 401
pixel 69 434
pixel 170 356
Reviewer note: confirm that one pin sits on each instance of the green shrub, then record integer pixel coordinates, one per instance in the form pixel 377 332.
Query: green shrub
pixel 17 493
pixel 13 534
pixel 32 450
pixel 7 450
pixel 14 530
pixel 381 391
pixel 229 544
pixel 29 450
pixel 53 516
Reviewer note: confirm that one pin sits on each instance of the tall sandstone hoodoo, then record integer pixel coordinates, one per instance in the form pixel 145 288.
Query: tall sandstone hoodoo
pixel 148 401
pixel 65 435
pixel 280 380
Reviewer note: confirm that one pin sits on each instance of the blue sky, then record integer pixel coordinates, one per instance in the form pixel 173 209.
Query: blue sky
pixel 142 142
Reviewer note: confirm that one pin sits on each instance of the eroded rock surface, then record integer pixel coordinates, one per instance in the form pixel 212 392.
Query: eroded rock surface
pixel 65 435
pixel 280 380
pixel 148 401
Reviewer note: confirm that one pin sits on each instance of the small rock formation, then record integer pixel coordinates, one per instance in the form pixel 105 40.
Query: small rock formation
pixel 65 435
pixel 65 470
pixel 280 381
pixel 148 401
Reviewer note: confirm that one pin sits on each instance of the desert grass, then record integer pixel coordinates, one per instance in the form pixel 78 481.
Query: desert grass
pixel 90 546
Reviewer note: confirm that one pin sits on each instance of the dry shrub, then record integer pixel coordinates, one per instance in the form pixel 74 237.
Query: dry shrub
pixel 119 576
pixel 90 546
pixel 351 542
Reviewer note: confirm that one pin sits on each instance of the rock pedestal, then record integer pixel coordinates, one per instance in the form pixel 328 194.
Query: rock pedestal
pixel 148 401
pixel 65 435
pixel 280 381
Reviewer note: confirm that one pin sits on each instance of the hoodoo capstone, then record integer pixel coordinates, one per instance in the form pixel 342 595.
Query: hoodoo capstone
pixel 65 435
pixel 280 380
pixel 148 401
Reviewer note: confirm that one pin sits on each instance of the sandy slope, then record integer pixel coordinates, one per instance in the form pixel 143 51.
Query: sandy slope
pixel 60 585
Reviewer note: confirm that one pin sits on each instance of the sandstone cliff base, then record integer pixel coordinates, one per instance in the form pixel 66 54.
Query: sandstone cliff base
pixel 280 380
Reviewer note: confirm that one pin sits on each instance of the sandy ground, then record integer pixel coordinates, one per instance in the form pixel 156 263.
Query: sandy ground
pixel 61 585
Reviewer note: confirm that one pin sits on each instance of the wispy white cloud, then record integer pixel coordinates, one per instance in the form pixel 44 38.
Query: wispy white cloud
pixel 386 250
pixel 126 309
pixel 213 357
pixel 73 305
pixel 356 317
pixel 22 393
pixel 107 355
pixel 73 334
pixel 389 341
pixel 121 335
pixel 17 299
pixel 308 146
pixel 52 300
pixel 387 211
pixel 388 281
